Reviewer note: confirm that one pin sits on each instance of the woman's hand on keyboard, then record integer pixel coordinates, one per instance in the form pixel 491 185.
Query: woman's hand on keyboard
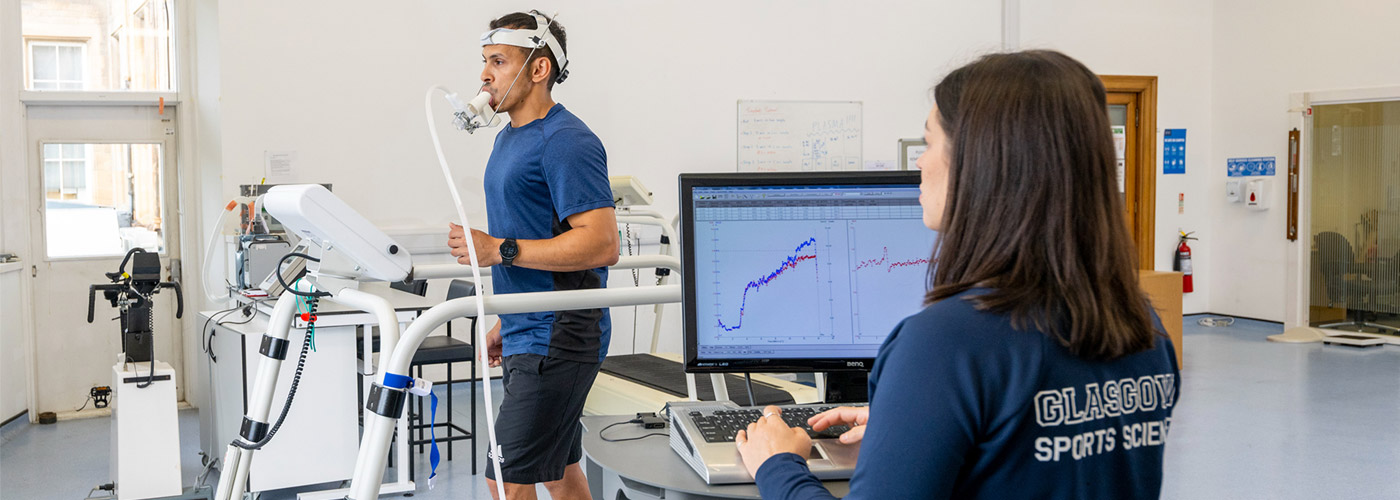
pixel 770 436
pixel 853 417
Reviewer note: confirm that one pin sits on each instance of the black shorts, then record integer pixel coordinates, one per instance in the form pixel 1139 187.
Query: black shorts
pixel 538 428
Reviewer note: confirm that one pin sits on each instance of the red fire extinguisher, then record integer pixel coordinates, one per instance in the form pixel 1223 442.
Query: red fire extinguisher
pixel 1182 262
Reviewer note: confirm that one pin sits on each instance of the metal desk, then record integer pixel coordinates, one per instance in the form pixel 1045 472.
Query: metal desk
pixel 647 469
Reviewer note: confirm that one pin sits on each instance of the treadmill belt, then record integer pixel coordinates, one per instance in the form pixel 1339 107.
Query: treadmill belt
pixel 669 376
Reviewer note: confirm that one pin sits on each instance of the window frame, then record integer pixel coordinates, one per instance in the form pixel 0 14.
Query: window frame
pixel 179 21
pixel 31 43
pixel 167 152
pixel 83 194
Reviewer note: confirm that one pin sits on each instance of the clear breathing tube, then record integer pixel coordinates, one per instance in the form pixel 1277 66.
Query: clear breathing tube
pixel 495 456
pixel 469 117
pixel 209 252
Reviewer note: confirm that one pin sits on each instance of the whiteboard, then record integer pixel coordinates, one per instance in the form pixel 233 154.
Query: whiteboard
pixel 796 136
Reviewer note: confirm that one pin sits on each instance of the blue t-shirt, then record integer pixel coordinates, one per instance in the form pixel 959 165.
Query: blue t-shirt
pixel 539 174
pixel 965 406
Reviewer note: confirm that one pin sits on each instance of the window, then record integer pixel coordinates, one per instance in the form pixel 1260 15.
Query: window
pixel 56 65
pixel 99 45
pixel 103 199
pixel 66 172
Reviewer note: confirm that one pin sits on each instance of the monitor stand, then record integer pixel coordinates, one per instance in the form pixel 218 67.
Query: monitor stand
pixel 847 387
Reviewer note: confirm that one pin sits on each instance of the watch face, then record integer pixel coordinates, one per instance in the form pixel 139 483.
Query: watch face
pixel 509 249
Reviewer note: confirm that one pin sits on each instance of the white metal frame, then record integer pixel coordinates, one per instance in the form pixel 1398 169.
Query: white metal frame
pixel 397 352
pixel 1297 289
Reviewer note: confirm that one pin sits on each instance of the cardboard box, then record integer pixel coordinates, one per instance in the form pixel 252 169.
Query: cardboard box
pixel 1163 288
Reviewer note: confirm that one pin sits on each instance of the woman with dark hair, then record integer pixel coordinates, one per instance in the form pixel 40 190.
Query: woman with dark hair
pixel 1037 368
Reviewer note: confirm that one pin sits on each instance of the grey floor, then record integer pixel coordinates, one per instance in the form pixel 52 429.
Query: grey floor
pixel 1258 419
pixel 1255 420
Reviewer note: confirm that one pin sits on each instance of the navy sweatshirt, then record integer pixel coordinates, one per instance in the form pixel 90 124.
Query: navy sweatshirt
pixel 965 406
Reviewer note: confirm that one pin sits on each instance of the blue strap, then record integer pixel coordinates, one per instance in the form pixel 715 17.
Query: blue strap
pixel 396 381
pixel 434 457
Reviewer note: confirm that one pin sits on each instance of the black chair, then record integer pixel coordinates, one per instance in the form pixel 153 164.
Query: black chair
pixel 1386 288
pixel 436 350
pixel 1349 284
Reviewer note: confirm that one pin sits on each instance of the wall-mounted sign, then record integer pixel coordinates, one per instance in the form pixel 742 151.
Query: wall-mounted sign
pixel 1174 151
pixel 1248 167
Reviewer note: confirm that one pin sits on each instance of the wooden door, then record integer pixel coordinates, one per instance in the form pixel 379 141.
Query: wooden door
pixel 1132 105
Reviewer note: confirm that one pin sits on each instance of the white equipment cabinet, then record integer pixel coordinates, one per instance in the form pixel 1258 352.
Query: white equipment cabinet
pixel 145 432
pixel 319 440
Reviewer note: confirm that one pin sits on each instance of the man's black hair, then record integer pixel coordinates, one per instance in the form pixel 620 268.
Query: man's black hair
pixel 525 21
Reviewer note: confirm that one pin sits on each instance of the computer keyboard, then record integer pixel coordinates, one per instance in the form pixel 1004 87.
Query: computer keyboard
pixel 720 426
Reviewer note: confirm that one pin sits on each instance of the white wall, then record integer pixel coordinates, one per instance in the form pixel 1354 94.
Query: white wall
pixel 343 88
pixel 14 225
pixel 1265 50
pixel 14 371
pixel 1169 40
pixel 658 82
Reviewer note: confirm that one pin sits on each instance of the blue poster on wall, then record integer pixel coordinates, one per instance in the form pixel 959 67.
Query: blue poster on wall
pixel 1249 167
pixel 1174 151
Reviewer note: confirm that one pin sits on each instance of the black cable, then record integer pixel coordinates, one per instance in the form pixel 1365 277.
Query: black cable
pixel 102 487
pixel 296 380
pixel 636 281
pixel 633 421
pixel 240 322
pixel 150 320
pixel 287 287
pixel 204 331
pixel 748 382
pixel 206 337
pixel 209 343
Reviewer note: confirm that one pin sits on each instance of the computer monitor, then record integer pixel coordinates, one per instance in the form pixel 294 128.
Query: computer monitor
pixel 798 272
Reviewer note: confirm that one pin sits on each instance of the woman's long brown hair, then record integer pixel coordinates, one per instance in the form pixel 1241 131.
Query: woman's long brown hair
pixel 1033 211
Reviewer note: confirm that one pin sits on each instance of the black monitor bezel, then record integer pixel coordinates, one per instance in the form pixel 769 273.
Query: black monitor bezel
pixel 688 182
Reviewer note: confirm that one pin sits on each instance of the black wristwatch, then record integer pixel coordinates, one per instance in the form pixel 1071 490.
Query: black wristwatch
pixel 509 251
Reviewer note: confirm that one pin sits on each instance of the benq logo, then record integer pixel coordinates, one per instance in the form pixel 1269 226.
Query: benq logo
pixel 855 364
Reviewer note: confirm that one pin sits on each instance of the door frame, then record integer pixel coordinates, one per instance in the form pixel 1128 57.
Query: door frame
pixel 1145 160
pixel 102 124
pixel 1297 289
pixel 15 164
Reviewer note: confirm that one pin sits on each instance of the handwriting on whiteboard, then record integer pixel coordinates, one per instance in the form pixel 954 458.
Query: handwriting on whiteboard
pixel 777 136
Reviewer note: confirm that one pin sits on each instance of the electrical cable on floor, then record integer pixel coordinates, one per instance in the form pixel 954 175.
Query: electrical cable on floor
pixel 1214 322
pixel 208 464
pixel 101 487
